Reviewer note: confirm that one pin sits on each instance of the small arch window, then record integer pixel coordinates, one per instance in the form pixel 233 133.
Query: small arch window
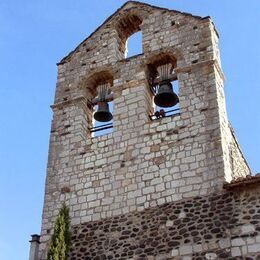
pixel 133 45
pixel 129 35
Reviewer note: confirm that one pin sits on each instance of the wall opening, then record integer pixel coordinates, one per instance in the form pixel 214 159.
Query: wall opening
pixel 98 91
pixel 134 45
pixel 164 85
pixel 102 128
pixel 129 35
pixel 168 111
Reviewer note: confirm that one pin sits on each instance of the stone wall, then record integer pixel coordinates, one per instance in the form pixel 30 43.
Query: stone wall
pixel 235 165
pixel 238 162
pixel 220 226
pixel 142 163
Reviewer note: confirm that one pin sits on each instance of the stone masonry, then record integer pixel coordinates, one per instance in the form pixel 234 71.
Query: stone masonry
pixel 151 189
pixel 221 226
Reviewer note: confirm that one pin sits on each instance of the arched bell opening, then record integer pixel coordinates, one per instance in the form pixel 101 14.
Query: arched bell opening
pixel 164 85
pixel 129 35
pixel 103 110
pixel 103 96
pixel 100 96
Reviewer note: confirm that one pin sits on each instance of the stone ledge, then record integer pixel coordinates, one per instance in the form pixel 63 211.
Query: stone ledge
pixel 68 102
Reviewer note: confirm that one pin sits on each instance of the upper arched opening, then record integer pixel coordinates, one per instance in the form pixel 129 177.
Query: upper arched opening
pixel 97 88
pixel 127 26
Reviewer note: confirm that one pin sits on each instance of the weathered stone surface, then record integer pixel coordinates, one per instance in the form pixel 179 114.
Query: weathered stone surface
pixel 144 163
pixel 141 235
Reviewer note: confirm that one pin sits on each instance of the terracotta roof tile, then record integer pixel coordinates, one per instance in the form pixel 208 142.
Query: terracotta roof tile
pixel 243 181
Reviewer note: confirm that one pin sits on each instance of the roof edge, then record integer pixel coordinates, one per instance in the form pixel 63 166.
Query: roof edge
pixel 242 182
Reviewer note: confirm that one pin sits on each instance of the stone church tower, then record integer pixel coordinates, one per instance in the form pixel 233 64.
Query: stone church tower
pixel 159 185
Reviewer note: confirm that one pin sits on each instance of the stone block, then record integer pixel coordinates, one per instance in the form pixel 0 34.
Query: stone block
pixel 175 252
pixel 235 251
pixel 255 248
pixel 185 250
pixel 247 229
pixel 238 242
pixel 224 243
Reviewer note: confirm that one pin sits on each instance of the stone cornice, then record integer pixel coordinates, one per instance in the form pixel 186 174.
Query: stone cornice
pixel 75 100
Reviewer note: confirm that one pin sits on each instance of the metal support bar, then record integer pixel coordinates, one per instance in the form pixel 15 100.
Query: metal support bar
pixel 100 128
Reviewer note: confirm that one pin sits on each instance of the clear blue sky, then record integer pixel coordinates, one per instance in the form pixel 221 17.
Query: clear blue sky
pixel 35 34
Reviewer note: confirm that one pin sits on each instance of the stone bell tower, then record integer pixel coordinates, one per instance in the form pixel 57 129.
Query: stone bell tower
pixel 126 188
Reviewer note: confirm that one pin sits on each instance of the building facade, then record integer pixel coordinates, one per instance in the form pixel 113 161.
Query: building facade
pixel 156 187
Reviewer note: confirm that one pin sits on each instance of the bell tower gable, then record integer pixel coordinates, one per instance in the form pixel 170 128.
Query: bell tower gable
pixel 165 145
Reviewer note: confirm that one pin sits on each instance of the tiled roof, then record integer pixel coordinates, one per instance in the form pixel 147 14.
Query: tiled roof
pixel 243 181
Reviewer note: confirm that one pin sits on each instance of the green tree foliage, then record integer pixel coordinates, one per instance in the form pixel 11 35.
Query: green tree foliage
pixel 61 238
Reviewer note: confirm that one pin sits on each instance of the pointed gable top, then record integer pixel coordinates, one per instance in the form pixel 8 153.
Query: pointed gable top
pixel 128 5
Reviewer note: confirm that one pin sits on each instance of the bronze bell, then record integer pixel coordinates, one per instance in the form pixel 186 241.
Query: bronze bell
pixel 165 96
pixel 103 114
